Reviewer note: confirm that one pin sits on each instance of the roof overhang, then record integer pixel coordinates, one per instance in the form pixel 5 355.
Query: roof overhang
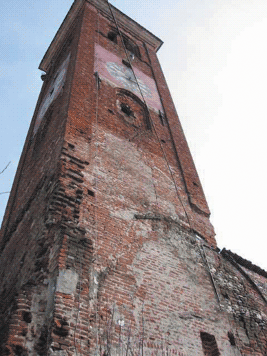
pixel 123 20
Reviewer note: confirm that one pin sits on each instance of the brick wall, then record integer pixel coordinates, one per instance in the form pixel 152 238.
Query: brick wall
pixel 106 244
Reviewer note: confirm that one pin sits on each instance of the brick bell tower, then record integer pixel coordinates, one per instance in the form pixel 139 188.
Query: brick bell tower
pixel 107 208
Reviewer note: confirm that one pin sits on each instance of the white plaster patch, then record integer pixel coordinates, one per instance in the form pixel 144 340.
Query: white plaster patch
pixel 143 230
pixel 168 208
pixel 67 281
pixel 124 214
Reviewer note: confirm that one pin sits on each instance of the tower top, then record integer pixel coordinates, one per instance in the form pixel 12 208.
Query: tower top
pixel 103 6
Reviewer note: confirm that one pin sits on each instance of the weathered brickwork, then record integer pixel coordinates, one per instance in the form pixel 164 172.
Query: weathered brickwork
pixel 107 248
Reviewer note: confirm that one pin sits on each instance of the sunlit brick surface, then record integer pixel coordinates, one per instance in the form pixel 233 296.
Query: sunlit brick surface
pixel 107 248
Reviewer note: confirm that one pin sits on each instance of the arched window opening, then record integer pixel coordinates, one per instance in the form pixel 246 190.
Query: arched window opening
pixel 131 46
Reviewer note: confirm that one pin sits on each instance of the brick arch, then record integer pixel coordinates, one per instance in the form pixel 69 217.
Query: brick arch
pixel 120 92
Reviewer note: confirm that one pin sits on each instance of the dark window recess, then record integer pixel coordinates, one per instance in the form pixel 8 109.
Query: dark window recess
pixel 27 316
pixel 91 193
pixel 209 344
pixel 127 64
pixel 61 328
pixel 126 109
pixel 131 46
pixel 112 36
pixel 231 338
pixel 19 350
pixel 225 295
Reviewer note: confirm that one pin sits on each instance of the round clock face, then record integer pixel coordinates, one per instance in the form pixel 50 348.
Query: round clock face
pixel 127 78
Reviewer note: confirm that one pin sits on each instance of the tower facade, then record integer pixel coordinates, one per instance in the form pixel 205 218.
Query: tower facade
pixel 106 244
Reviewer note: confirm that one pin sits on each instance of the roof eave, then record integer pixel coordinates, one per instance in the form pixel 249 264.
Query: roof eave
pixel 103 6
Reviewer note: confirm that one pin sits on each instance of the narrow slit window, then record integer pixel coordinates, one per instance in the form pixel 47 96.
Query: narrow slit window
pixel 231 338
pixel 91 193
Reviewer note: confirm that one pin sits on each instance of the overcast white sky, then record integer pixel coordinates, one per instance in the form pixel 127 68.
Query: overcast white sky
pixel 214 58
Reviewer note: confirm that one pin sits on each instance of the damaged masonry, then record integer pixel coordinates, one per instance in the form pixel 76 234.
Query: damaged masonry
pixel 106 244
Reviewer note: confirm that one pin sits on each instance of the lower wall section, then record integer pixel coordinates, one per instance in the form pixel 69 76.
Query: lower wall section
pixel 166 292
pixel 103 262
pixel 158 292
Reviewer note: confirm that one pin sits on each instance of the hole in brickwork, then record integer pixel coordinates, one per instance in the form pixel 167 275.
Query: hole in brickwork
pixel 163 141
pixel 126 63
pixel 42 342
pixel 91 193
pixel 27 316
pixel 209 344
pixel 61 328
pixel 54 348
pixel 42 251
pixel 131 46
pixel 241 318
pixel 76 172
pixel 225 295
pixel 112 112
pixel 126 109
pixel 83 241
pixel 231 338
pixel 112 36
pixel 195 184
pixel 5 351
pixel 71 146
pixel 19 351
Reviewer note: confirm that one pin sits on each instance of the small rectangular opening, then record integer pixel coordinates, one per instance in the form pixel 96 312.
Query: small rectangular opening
pixel 231 338
pixel 91 193
pixel 209 344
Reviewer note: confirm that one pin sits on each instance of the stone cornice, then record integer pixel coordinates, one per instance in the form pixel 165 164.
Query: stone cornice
pixel 123 20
